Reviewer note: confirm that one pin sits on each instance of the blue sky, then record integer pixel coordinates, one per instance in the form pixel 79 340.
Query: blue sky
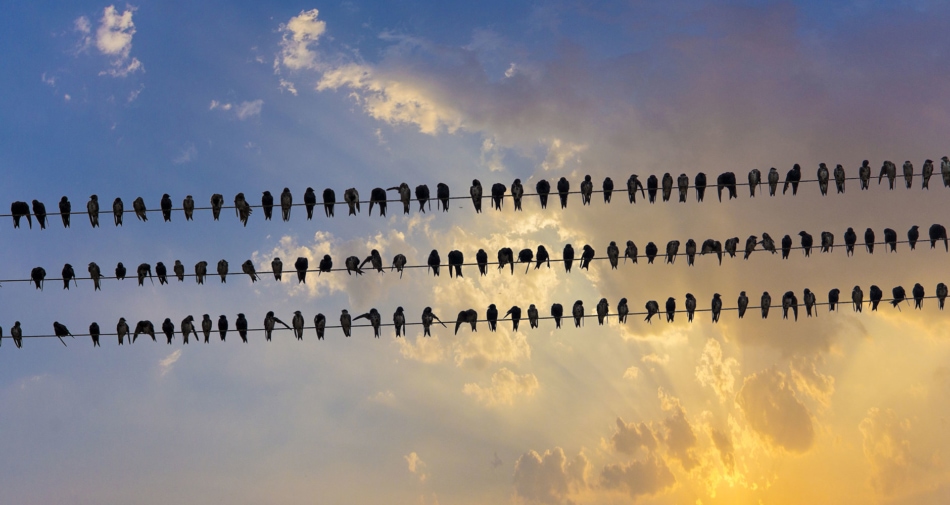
pixel 148 98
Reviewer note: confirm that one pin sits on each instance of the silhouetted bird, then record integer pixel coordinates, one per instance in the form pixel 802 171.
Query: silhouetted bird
pixel 727 180
pixel 206 326
pixel 138 206
pixel 653 184
pixel 352 198
pixel 533 316
pixel 217 202
pixel 833 297
pixel 270 321
pixel 267 204
pixel 242 208
pixel 248 268
pixel 515 313
pixel 17 334
pixel 622 310
pixel 399 262
pixel 743 303
pixel 223 270
pixel 869 240
pixel 166 205
pixel 405 196
pixel 422 196
pixel 201 269
pixel 492 316
pixel 568 256
pixel 95 274
pixel 941 294
pixel 39 210
pixel 890 239
pixel 92 208
pixel 857 299
pixel 918 293
pixel 223 327
pixel 690 252
pixel 143 270
pixel 827 241
pixel 603 309
pixel 651 250
pixel 839 178
pixel 768 243
pixel 517 192
pixel 670 309
pixel 526 256
pixel 481 257
pixel 912 236
pixel 352 264
pixel 898 296
pixel 399 321
pixel 563 187
pixel 60 330
pixel 875 296
pixel 434 261
pixel 630 252
pixel 809 299
pixel 543 188
pixel 506 257
pixel 68 275
pixel 542 257
pixel 469 316
pixel 672 249
pixel 241 325
pixel 608 188
pixel 823 176
pixel 786 246
pixel 864 174
pixel 587 188
pixel 117 211
pixel 789 300
pixel 926 173
pixel 755 178
pixel 345 322
pixel 121 330
pixel 442 193
pixel 329 199
pixel 587 256
pixel 143 328
pixel 372 316
pixel 64 212
pixel 187 327
pixel 302 264
pixel 455 259
pixel 793 177
pixel 750 244
pixel 850 238
pixel 653 308
pixel 120 271
pixel 277 268
pixel 320 324
pixel 613 254
pixel 938 232
pixel 773 178
pixel 890 170
pixel 632 184
pixel 476 192
pixel 577 311
pixel 766 303
pixel 557 312
pixel 378 197
pixel 945 171
pixel 690 306
pixel 908 170
pixel 667 184
pixel 716 307
pixel 700 183
pixel 309 201
pixel 162 273
pixel 731 245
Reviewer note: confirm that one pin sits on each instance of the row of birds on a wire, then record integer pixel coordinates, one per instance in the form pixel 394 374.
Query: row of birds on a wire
pixel 506 257
pixel 498 192
pixel 189 327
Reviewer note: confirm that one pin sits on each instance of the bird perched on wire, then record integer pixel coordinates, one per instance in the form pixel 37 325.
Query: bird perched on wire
pixel 39 210
pixel 378 197
pixel 506 257
pixel 608 188
pixel 587 189
pixel 492 316
pixel 667 184
pixel 442 193
pixel 908 170
pixel 568 257
pixel 277 268
pixel 372 316
pixel 810 301
pixel 792 302
pixel 716 307
pixel 786 246
pixel 613 254
pixel 525 256
pixel 68 274
pixel 375 260
pixel 206 325
pixel 700 183
pixel 201 269
pixel 633 183
pixel 541 257
pixel 926 173
pixel 912 236
pixel 557 312
pixel 298 323
pixel 345 322
pixel 682 185
pixel 188 205
pixel 750 244
pixel 144 328
pixel 731 245
pixel 399 321
pixel 302 264
pixel 138 205
pixel 309 201
pixel 241 325
pixel 517 192
pixel 672 249
pixel 857 299
pixel 890 170
pixel 95 274
pixel 434 262
pixel 850 238
pixel 60 330
pixel 833 296
pixel 422 196
pixel 875 295
pixel 286 203
pixel 727 180
pixel 515 313
pixel 353 265
pixel 121 330
pixel 223 270
pixel 120 271
pixel 807 242
pixel 17 334
pixel 543 188
pixel 92 209
pixel 890 240
pixel 456 259
pixel 918 293
pixel 945 171
pixel 320 325
pixel 563 188
pixel 869 240
pixel 651 251
pixel 938 232
pixel 653 308
pixel 766 303
pixel 117 211
pixel 793 177
pixel 399 262
pixel 941 294
pixel 223 327
pixel 352 198
pixel 476 193
pixel 248 268
pixel 823 179
pixel 242 208
pixel 270 321
pixel 773 178
pixel 587 256
pixel 690 252
pixel 864 174
pixel 187 327
pixel 743 303
pixel 653 185
pixel 166 206
pixel 533 316
pixel 898 295
pixel 217 202
pixel 162 273
pixel 768 243
pixel 839 178
pixel 168 328
pixel 622 310
pixel 630 252
pixel 603 309
pixel 469 316
pixel 670 309
pixel 143 270
pixel 755 178
pixel 827 241
pixel 64 210
pixel 329 200
pixel 690 306
pixel 405 196
pixel 577 311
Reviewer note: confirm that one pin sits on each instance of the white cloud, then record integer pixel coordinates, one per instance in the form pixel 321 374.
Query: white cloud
pixel 773 411
pixel 550 478
pixel 715 372
pixel 48 80
pixel 302 31
pixel 114 39
pixel 289 86
pixel 165 365
pixel 505 387
pixel 426 350
pixel 134 94
pixel 416 466
pixel 218 105
pixel 245 110
pixel 187 154
pixel 655 358
pixel 561 152
pixel 631 373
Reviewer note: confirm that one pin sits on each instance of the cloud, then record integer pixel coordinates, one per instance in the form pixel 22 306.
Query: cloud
pixel 550 478
pixel 298 35
pixel 655 358
pixel 677 432
pixel 165 365
pixel 114 39
pixel 425 350
pixel 416 466
pixel 715 372
pixel 631 373
pixel 727 451
pixel 505 387
pixel 897 463
pixel 242 110
pixel 809 381
pixel 773 411
pixel 638 478
pixel 629 438
pixel 218 105
pixel 560 153
pixel 186 155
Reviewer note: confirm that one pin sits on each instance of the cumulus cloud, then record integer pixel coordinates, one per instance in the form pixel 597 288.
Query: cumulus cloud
pixel 727 452
pixel 288 249
pixel 715 372
pixel 113 38
pixel 560 153
pixel 897 463
pixel 426 350
pixel 809 381
pixel 638 478
pixel 774 412
pixel 550 478
pixel 416 466
pixel 242 111
pixel 297 38
pixel 631 373
pixel 506 386
pixel 629 438
pixel 165 365
pixel 677 432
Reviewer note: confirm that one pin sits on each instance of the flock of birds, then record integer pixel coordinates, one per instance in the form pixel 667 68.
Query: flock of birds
pixel 498 192
pixel 506 257
pixel 790 302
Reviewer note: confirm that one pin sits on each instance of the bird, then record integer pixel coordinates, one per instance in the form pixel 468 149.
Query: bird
pixel 399 321
pixel 267 204
pixel 68 274
pixel 716 307
pixel 302 264
pixel 670 309
pixel 120 271
pixel 442 193
pixel 329 200
pixel 587 189
pixel 700 183
pixel 682 185
pixel 941 294
pixel 690 252
pixel 898 295
pixel 353 265
pixel 750 244
pixel 405 196
pixel 533 316
pixel 864 174
pixel 21 209
pixel 786 246
pixel 690 306
pixel 926 173
pixel 789 301
pixel 352 198
pixel 731 245
pixel 743 303
pixel 515 313
pixel 242 208
pixel 938 232
pixel 755 178
pixel 875 296
pixel 201 269
pixel 121 330
pixel 839 178
pixel 427 317
pixel 602 311
pixel 434 261
pixel 455 260
pixel 577 311
pixel 492 316
pixel 399 262
pixel 168 328
pixel 918 293
pixel 793 177
pixel 223 270
pixel 667 184
pixel 320 325
pixel 557 312
pixel 810 301
pixel 286 203
pixel 672 249
pixel 633 182
pixel 857 299
pixel 890 239
pixel 17 334
pixel 890 170
pixel 498 195
pixel 422 195
pixel 217 202
pixel 622 310
pixel 869 240
pixel 476 193
pixel 38 275
pixel 568 256
pixel 768 243
pixel 189 206
pixel 138 205
pixel 143 328
pixel 95 274
pixel 833 297
pixel 248 268
pixel 588 255
pixel 39 210
pixel 608 188
pixel 908 169
pixel 517 192
pixel 850 238
pixel 727 180
pixel 469 316
pixel 613 255
pixel 912 236
pixel 143 270
pixel 162 273
pixel 64 211
pixel 653 185
pixel 60 330
pixel 630 252
pixel 542 257
pixel 309 201
pixel 372 316
pixel 187 327
pixel 270 321
pixel 277 268
pixel 563 188
pixel 92 208
pixel 653 308
pixel 651 251
pixel 506 257
pixel 827 242
pixel 166 205
pixel 823 179
pixel 223 327
pixel 807 242
pixel 766 304
pixel 945 171
pixel 206 327
pixel 375 260
pixel 378 196
pixel 525 256
pixel 773 178
pixel 543 188
pixel 241 325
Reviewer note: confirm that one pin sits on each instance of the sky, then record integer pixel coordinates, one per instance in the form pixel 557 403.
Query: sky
pixel 130 100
